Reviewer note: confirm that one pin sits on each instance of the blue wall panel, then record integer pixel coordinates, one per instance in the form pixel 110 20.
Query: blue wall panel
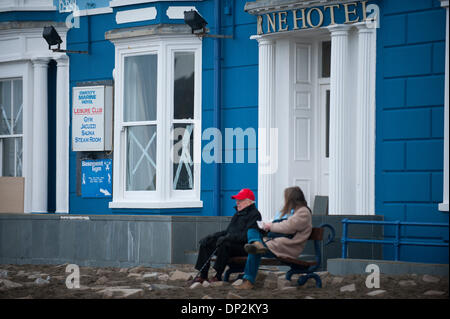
pixel 422 26
pixel 403 124
pixel 424 155
pixel 433 95
pixel 407 60
pixel 410 122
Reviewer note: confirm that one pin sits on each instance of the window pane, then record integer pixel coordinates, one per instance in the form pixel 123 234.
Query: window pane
pixel 183 157
pixel 141 158
pixel 326 59
pixel 327 125
pixel 19 152
pixel 8 150
pixel 5 108
pixel 140 88
pixel 17 107
pixel 184 85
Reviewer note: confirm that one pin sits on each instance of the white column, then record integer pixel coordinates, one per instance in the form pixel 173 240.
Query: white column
pixel 62 135
pixel 365 121
pixel 444 205
pixel 40 136
pixel 338 121
pixel 266 121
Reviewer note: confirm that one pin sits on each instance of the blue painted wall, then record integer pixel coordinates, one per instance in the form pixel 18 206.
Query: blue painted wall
pixel 238 105
pixel 410 122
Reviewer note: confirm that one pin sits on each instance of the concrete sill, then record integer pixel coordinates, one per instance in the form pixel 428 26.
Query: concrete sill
pixel 154 205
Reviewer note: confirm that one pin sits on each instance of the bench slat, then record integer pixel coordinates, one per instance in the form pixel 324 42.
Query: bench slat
pixel 273 261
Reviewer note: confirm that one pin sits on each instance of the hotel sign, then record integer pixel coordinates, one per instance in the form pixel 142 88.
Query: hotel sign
pixel 314 17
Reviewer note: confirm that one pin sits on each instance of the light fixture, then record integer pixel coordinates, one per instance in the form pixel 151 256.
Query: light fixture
pixel 52 37
pixel 198 25
pixel 195 21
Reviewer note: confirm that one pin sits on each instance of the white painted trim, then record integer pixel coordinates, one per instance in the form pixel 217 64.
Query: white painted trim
pixel 365 123
pixel 266 121
pixel 178 12
pixel 338 122
pixel 40 136
pixel 156 205
pixel 136 15
pixel 91 12
pixel 62 134
pixel 120 3
pixel 444 3
pixel 444 205
pixel 27 8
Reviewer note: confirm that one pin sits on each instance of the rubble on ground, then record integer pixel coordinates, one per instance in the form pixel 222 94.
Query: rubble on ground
pixel 175 282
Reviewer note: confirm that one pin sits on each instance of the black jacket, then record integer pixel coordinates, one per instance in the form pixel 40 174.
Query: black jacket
pixel 241 222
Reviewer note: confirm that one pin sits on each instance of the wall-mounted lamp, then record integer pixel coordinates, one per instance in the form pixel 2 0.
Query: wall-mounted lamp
pixel 198 25
pixel 52 37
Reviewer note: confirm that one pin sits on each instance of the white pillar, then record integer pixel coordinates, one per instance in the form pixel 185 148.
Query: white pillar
pixel 365 121
pixel 62 135
pixel 444 205
pixel 266 121
pixel 40 136
pixel 338 120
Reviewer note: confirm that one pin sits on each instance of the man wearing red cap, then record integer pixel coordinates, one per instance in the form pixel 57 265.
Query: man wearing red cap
pixel 230 242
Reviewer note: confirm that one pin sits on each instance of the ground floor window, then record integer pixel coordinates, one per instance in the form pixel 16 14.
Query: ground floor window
pixel 158 115
pixel 11 129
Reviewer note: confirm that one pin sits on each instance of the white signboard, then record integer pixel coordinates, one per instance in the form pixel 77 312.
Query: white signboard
pixel 90 104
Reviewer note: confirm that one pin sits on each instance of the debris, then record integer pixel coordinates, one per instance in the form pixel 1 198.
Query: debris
pixel 237 282
pixel 180 275
pixel 337 280
pixel 217 283
pixel 163 277
pixel 430 279
pixel 434 293
pixel 161 287
pixel 207 297
pixel 151 275
pixel 101 281
pixel 376 292
pixel 195 285
pixel 136 270
pixel 232 295
pixel 40 281
pixel 206 284
pixel 125 292
pixel 9 284
pixel 348 288
pixel 407 283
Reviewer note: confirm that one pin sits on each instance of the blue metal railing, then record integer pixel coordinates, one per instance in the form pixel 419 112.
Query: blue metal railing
pixel 396 242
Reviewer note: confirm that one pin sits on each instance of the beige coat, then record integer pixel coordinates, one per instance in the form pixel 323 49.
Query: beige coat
pixel 299 223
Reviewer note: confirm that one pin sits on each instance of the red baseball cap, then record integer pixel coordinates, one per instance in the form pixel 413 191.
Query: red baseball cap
pixel 243 194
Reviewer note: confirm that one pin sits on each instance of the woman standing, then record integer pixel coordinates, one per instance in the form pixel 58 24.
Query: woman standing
pixel 293 229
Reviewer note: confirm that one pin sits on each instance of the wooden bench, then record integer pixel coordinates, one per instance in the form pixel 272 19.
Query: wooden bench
pixel 298 266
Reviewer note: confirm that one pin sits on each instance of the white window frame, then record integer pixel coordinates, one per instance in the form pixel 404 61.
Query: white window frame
pixel 164 196
pixel 15 136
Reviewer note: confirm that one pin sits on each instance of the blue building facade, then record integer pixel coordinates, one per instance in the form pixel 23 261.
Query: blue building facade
pixel 356 91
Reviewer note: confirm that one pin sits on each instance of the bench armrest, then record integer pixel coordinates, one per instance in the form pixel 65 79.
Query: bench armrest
pixel 331 235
